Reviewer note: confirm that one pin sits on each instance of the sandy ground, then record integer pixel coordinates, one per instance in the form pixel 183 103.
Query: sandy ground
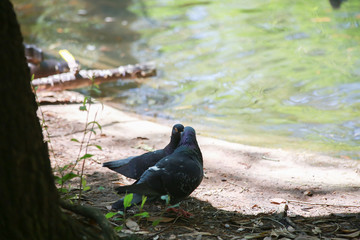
pixel 239 178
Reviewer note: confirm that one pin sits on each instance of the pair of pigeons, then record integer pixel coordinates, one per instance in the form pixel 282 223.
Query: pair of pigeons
pixel 176 170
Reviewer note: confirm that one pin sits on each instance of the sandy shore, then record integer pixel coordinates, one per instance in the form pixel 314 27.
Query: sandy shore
pixel 238 177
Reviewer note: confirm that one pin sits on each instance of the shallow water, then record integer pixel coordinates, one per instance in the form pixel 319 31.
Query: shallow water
pixel 269 73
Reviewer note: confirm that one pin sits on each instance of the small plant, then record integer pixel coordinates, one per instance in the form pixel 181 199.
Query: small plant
pixel 89 129
pixel 121 215
pixel 64 178
pixel 66 173
pixel 141 213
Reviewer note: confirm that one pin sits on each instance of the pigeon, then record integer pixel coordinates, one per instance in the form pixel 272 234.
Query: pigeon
pixel 134 167
pixel 336 3
pixel 176 175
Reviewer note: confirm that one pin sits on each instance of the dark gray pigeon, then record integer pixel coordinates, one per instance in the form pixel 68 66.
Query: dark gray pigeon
pixel 176 175
pixel 134 167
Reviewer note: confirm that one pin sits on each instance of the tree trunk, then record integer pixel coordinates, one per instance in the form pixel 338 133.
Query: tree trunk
pixel 29 202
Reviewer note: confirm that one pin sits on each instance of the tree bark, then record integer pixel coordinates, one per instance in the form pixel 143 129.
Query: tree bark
pixel 29 202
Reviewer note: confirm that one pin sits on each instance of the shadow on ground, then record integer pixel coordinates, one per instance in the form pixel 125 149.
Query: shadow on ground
pixel 208 222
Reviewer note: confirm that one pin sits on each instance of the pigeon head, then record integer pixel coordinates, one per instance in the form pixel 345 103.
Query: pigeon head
pixel 188 140
pixel 188 137
pixel 174 139
pixel 177 128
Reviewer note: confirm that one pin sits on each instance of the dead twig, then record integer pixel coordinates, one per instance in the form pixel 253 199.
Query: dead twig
pixel 270 159
pixel 151 236
pixel 322 204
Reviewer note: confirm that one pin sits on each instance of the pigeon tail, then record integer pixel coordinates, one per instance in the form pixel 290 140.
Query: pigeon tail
pixel 118 163
pixel 121 166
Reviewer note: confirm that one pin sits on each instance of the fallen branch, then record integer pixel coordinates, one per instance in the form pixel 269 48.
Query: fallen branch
pixel 322 204
pixel 81 79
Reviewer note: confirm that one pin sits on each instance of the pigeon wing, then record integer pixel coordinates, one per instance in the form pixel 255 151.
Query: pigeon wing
pixel 149 184
pixel 134 167
pixel 184 174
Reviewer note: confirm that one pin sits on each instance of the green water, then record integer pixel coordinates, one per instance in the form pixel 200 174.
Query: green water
pixel 268 73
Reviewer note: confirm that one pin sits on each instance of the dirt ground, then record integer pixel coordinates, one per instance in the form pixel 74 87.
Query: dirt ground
pixel 244 192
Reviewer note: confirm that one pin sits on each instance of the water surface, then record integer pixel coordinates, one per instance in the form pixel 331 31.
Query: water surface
pixel 269 73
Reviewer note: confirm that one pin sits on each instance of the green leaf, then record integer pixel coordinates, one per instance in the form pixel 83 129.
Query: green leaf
pixel 57 179
pixel 73 197
pixel 83 183
pixel 64 168
pixel 144 198
pixel 174 206
pixel 32 77
pixel 87 155
pixel 68 177
pixel 98 146
pixel 142 214
pixel 127 200
pixel 95 122
pixel 83 108
pixel 96 90
pixel 118 228
pixel 63 190
pixel 85 100
pixel 110 214
pixel 74 140
pixel 101 188
pixel 156 222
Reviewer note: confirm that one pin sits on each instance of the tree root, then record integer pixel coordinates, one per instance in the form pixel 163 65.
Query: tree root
pixel 92 213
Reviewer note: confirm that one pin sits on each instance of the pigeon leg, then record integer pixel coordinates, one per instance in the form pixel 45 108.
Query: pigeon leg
pixel 180 212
